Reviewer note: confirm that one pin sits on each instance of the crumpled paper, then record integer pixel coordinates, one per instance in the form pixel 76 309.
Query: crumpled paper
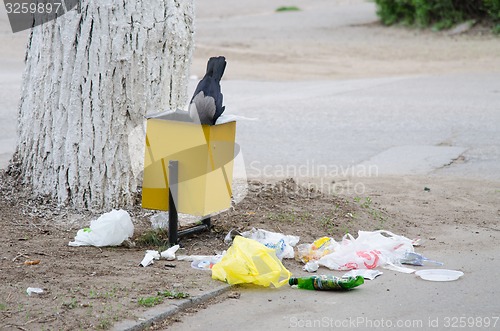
pixel 152 255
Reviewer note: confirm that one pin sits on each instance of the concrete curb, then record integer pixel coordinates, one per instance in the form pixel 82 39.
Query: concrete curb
pixel 161 313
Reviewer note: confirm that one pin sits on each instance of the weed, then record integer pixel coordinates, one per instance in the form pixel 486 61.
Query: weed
pixel 277 217
pixel 150 301
pixel 328 224
pixel 104 323
pixel 75 290
pixel 3 306
pixel 71 304
pixel 173 295
pixel 377 215
pixel 158 238
pixel 110 294
pixel 367 203
pixel 287 8
pixel 289 217
pixel 156 300
pixel 93 294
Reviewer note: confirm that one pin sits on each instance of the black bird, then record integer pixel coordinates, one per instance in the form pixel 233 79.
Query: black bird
pixel 206 105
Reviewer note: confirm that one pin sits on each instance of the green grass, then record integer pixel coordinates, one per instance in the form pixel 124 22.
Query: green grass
pixel 156 238
pixel 104 323
pixel 72 304
pixel 159 297
pixel 289 217
pixel 367 202
pixel 173 295
pixel 375 214
pixel 150 301
pixel 287 8
pixel 328 223
pixel 93 294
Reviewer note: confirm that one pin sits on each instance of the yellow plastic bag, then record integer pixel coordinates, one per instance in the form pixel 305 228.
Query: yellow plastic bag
pixel 248 261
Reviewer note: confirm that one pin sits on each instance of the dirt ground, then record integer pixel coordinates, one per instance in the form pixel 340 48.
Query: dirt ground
pixel 93 288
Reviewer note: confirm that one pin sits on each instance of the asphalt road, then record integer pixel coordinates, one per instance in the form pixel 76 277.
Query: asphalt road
pixel 425 121
pixel 306 128
pixel 392 301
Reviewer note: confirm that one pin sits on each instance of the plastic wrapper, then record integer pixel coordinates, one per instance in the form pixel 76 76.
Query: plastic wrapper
pixel 202 262
pixel 369 274
pixel 110 229
pixel 250 262
pixel 311 266
pixel 36 290
pixel 281 243
pixel 418 259
pixel 368 251
pixel 159 221
pixel 319 248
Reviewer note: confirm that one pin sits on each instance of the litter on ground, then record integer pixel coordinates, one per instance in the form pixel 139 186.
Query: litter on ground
pixel 110 229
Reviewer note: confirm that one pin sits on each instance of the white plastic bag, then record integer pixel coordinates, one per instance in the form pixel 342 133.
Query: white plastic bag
pixel 110 229
pixel 283 244
pixel 159 221
pixel 202 262
pixel 311 266
pixel 370 250
pixel 369 274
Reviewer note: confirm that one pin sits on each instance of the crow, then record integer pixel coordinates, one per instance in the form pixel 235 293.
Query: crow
pixel 206 105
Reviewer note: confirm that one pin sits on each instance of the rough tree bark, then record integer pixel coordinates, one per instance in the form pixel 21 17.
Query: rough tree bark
pixel 90 77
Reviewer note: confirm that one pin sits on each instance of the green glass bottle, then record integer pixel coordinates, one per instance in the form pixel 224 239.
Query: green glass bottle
pixel 326 282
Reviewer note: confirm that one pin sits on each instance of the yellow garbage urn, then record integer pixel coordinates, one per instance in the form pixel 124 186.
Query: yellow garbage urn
pixel 205 155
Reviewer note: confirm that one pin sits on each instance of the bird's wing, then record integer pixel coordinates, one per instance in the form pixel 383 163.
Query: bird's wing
pixel 202 108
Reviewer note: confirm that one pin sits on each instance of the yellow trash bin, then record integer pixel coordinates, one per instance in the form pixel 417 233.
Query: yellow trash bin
pixel 205 156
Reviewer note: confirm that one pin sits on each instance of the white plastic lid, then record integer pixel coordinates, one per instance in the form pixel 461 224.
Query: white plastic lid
pixel 439 275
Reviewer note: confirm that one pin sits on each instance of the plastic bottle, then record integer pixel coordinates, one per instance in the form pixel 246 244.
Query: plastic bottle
pixel 417 259
pixel 326 282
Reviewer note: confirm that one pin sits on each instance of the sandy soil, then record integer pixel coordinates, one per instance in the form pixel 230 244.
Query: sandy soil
pixel 331 41
pixel 91 288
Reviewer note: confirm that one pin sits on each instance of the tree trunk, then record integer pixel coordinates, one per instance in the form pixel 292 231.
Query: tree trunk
pixel 90 78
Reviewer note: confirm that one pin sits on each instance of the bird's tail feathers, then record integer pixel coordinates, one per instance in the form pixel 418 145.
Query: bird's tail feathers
pixel 216 67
